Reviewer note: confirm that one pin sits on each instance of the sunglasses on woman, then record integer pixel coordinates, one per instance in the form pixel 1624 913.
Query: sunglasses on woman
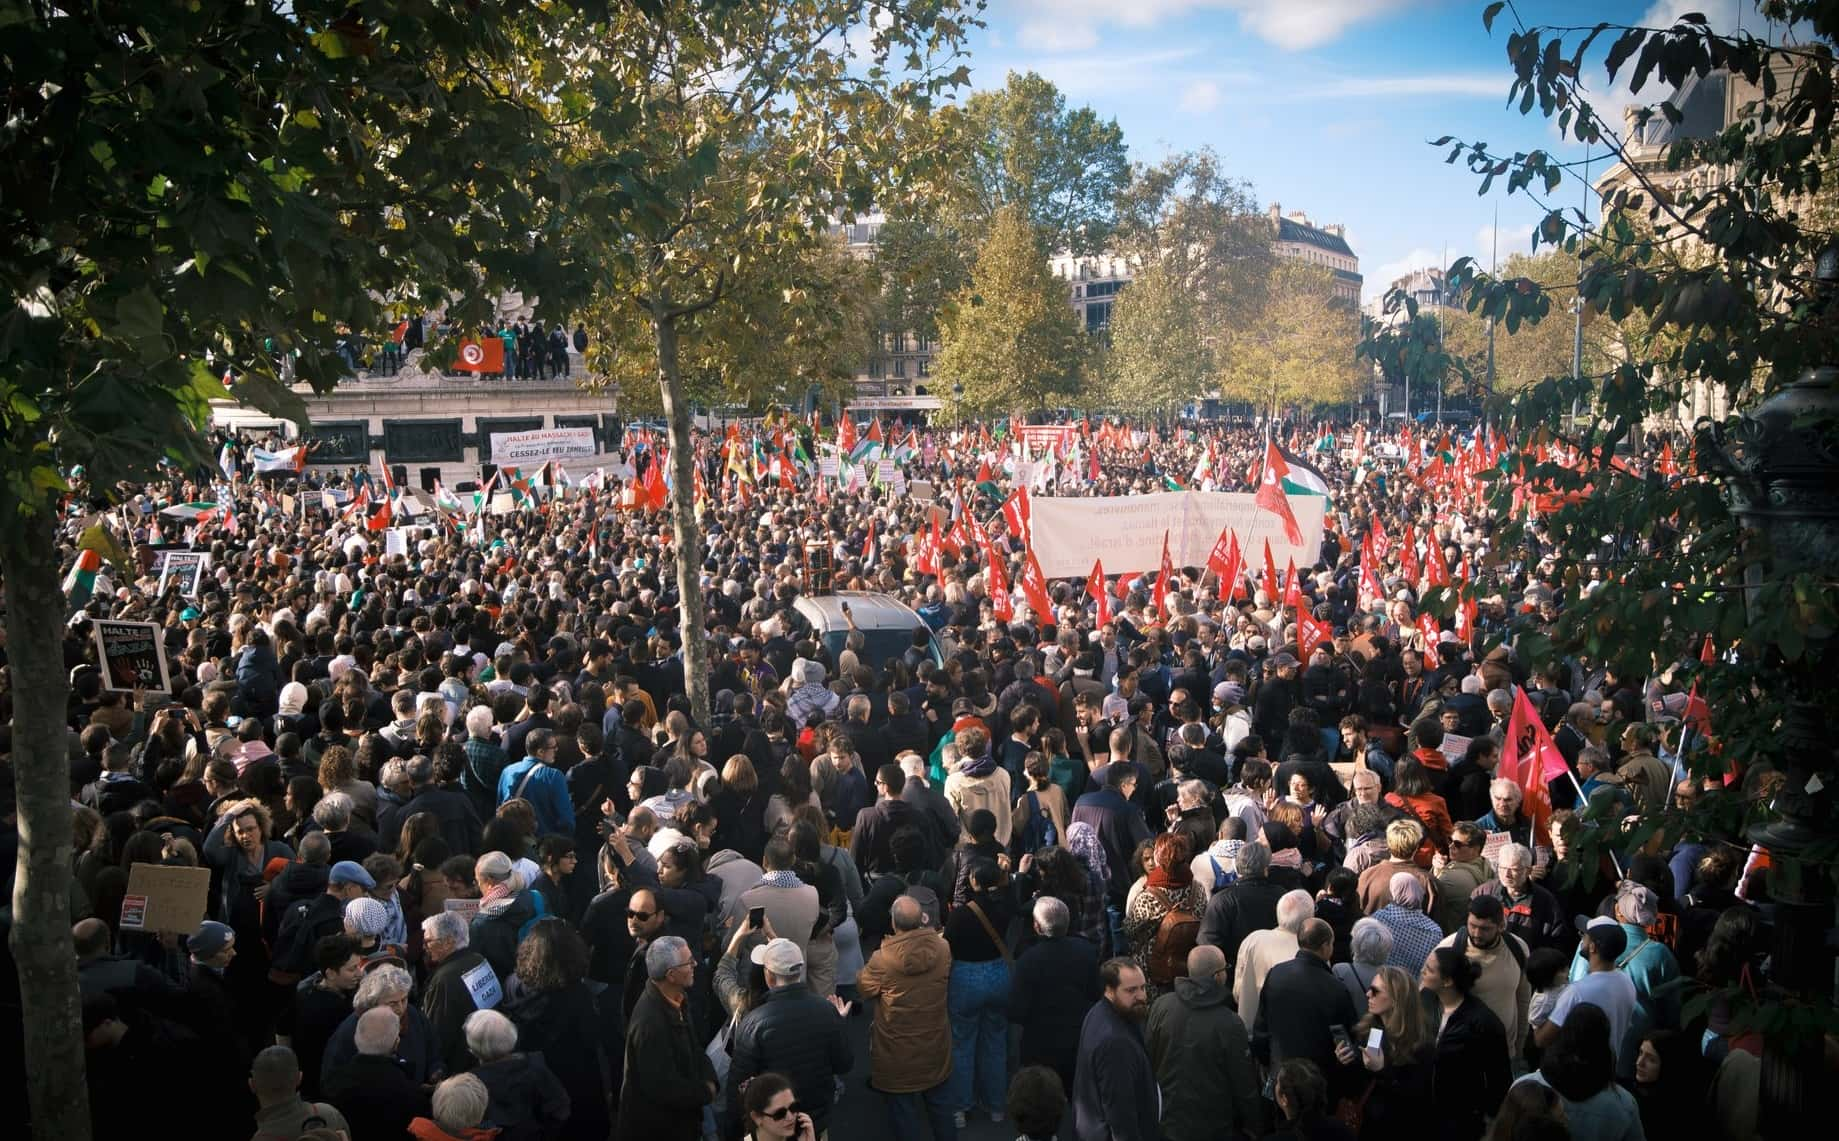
pixel 781 1113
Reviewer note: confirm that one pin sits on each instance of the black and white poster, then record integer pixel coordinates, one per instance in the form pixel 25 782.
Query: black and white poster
pixel 185 569
pixel 132 655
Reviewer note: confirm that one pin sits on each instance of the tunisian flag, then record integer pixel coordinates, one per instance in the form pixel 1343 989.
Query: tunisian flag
pixel 1530 759
pixel 1271 497
pixel 480 356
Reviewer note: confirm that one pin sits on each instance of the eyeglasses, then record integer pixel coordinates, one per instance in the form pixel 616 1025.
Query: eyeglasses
pixel 641 916
pixel 781 1113
pixel 685 963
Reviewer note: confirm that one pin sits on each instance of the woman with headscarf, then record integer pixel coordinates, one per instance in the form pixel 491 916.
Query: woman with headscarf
pixel 294 717
pixel 1083 842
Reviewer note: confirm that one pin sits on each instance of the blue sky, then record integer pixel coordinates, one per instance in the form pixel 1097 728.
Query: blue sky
pixel 1324 105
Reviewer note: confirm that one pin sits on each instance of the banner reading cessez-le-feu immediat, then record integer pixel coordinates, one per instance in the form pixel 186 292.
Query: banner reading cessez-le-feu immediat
pixel 542 445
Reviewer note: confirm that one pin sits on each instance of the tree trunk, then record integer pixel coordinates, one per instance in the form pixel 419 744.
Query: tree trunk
pixel 685 533
pixel 51 1008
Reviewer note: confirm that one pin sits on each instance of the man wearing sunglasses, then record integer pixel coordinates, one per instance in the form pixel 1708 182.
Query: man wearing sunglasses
pixel 645 921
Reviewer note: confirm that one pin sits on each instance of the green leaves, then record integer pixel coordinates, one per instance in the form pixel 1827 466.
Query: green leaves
pixel 1491 11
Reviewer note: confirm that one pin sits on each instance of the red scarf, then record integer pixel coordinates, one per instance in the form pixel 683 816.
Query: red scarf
pixel 1169 879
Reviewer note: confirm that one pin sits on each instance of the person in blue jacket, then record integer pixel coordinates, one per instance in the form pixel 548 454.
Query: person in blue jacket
pixel 537 780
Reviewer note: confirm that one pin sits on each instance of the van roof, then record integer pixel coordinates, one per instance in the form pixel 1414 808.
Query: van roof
pixel 872 610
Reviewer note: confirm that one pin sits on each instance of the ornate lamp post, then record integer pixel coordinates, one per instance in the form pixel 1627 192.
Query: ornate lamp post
pixel 1782 464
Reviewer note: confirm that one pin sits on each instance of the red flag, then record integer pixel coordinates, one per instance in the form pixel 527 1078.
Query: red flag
pixel 1408 558
pixel 1001 604
pixel 1163 575
pixel 1666 465
pixel 1369 585
pixel 846 435
pixel 1271 497
pixel 1034 588
pixel 1428 627
pixel 656 494
pixel 1530 759
pixel 1095 586
pixel 1123 586
pixel 1708 654
pixel 1017 514
pixel 956 537
pixel 1465 621
pixel 1228 563
pixel 1092 465
pixel 1436 565
pixel 1310 633
pixel 926 553
pixel 1292 588
pixel 984 475
pixel 480 356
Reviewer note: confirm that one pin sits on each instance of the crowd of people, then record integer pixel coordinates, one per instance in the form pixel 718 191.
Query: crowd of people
pixel 476 869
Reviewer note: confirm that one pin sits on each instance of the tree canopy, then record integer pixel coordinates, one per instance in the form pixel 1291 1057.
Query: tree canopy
pixel 1011 338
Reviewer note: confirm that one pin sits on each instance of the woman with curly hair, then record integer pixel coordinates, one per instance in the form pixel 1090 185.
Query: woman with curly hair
pixel 238 851
pixel 1167 885
pixel 563 1016
pixel 338 772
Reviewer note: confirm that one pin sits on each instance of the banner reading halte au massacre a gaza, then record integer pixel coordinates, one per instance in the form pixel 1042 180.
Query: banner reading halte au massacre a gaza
pixel 1125 531
pixel 542 445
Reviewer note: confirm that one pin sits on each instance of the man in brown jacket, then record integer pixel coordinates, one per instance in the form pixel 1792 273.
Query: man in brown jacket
pixel 910 1046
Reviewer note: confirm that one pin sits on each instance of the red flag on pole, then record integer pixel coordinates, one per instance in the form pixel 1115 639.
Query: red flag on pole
pixel 1095 586
pixel 1666 465
pixel 1001 604
pixel 1163 575
pixel 1123 586
pixel 1310 633
pixel 1017 514
pixel 1270 572
pixel 1530 759
pixel 1369 585
pixel 1034 587
pixel 1271 496
pixel 1708 654
pixel 1428 627
pixel 1292 588
pixel 1228 562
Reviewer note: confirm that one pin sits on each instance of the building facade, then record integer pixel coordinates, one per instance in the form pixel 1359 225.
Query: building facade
pixel 1293 235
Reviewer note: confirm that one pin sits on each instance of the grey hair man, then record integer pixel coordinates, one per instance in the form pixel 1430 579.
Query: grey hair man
pixel 662 1052
pixel 1262 950
pixel 1055 982
pixel 461 982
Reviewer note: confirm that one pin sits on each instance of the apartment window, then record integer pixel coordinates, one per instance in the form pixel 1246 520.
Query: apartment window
pixel 1098 316
pixel 925 366
pixel 900 368
pixel 900 343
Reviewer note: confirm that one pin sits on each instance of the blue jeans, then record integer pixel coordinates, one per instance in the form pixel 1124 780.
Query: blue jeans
pixel 1114 923
pixel 906 1112
pixel 979 1006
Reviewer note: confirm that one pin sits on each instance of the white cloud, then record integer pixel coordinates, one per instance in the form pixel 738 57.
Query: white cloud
pixel 1380 277
pixel 1293 25
pixel 1200 97
pixel 1513 239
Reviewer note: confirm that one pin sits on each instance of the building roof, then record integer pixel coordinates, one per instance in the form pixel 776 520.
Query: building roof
pixel 1700 100
pixel 1290 230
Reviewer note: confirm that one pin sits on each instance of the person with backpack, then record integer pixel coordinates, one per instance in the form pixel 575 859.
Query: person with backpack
pixel 1039 818
pixel 307 921
pixel 1162 919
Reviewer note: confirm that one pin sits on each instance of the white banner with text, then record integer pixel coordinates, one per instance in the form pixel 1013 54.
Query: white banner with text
pixel 1125 531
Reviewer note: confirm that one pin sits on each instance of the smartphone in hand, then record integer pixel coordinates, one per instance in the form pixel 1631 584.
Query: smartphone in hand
pixel 756 918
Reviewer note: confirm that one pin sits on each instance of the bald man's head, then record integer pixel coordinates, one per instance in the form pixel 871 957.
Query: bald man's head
pixel 1317 938
pixel 1205 961
pixel 91 937
pixel 907 914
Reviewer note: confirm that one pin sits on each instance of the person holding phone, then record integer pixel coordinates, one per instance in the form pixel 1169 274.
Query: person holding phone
pixel 1393 1048
pixel 772 1113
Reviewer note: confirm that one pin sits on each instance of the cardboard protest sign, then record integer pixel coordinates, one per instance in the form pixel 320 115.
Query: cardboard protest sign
pixel 132 655
pixel 395 542
pixel 162 898
pixel 185 569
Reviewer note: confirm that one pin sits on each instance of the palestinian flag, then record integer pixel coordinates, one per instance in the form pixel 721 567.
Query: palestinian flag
pixel 80 583
pixel 189 512
pixel 1172 483
pixel 1303 478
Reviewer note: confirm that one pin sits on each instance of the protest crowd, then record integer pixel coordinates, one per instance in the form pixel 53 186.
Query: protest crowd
pixel 1238 850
